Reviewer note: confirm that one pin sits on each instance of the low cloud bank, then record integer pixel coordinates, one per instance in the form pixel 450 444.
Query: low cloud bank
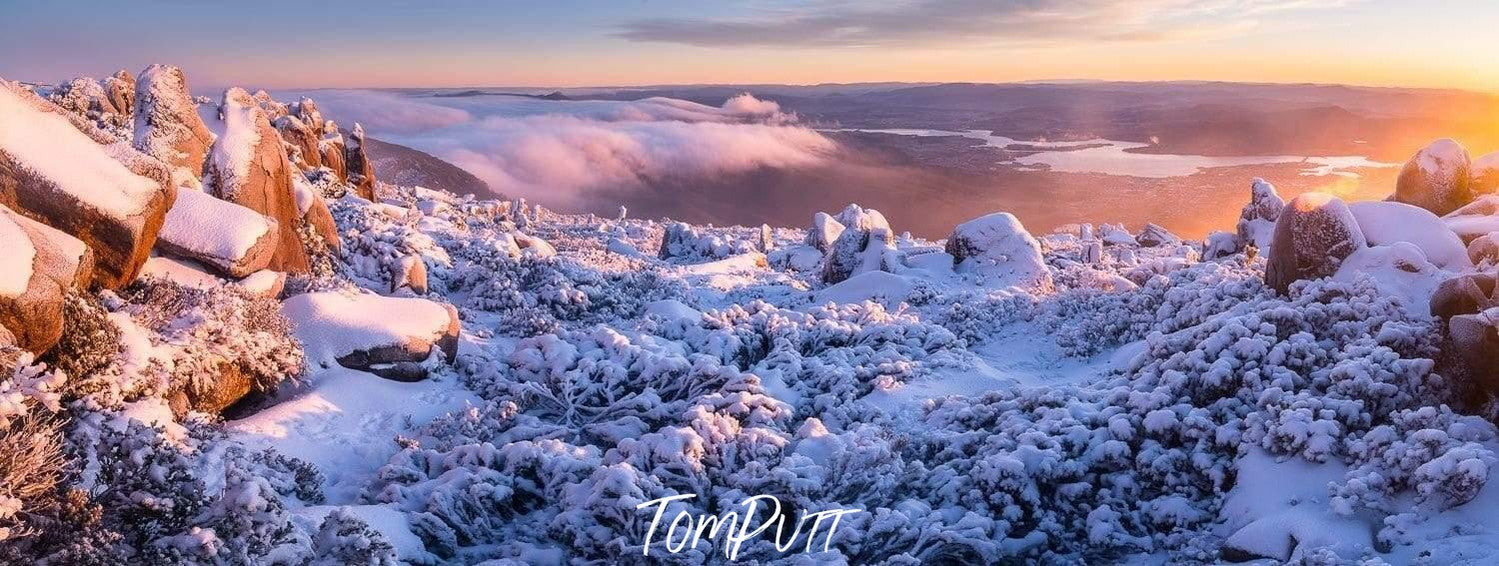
pixel 570 153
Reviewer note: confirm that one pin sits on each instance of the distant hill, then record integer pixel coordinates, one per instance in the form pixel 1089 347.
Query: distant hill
pixel 401 165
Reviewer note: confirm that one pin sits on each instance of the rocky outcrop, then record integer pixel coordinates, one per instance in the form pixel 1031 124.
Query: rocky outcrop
pixel 387 336
pixel 167 125
pixel 1437 178
pixel 57 169
pixel 409 273
pixel 1483 251
pixel 332 148
pixel 1154 235
pixel 1469 305
pixel 40 266
pixel 825 230
pixel 249 168
pixel 998 247
pixel 361 171
pixel 302 140
pixel 851 252
pixel 228 384
pixel 233 240
pixel 1314 234
pixel 1256 225
pixel 119 89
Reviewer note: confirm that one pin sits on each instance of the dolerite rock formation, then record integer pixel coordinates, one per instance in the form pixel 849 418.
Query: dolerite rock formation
pixel 332 149
pixel 1437 178
pixel 824 231
pixel 361 171
pixel 848 254
pixel 91 99
pixel 679 239
pixel 355 331
pixel 1314 234
pixel 233 240
pixel 167 125
pixel 249 168
pixel 1486 174
pixel 1474 219
pixel 119 89
pixel 1220 244
pixel 409 273
pixel 1256 225
pixel 1469 305
pixel 302 140
pixel 1483 251
pixel 40 266
pixel 60 170
pixel 998 247
pixel 1154 235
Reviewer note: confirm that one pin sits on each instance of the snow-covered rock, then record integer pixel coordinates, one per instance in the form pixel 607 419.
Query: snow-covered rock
pixel 332 147
pixel 387 336
pixel 1486 173
pixel 878 286
pixel 110 196
pixel 1155 235
pixel 532 245
pixel 1437 178
pixel 1313 235
pixel 409 273
pixel 857 249
pixel 1000 250
pixel 249 168
pixel 1385 223
pixel 1475 336
pixel 167 124
pixel 39 266
pixel 303 139
pixel 230 238
pixel 1464 294
pixel 361 170
pixel 1475 219
pixel 1116 235
pixel 1398 269
pixel 1256 225
pixel 1220 244
pixel 824 231
pixel 1483 251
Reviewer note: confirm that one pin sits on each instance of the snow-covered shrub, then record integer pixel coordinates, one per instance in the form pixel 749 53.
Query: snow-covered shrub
pixel 90 342
pixel 345 539
pixel 30 468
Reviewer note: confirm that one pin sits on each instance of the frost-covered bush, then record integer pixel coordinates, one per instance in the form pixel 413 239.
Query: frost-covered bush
pixel 90 342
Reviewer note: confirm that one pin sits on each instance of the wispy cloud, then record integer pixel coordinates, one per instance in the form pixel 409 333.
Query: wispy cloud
pixel 966 22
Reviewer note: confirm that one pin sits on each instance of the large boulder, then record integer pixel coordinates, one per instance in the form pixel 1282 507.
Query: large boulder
pixel 1385 223
pixel 249 168
pixel 1313 235
pixel 1469 305
pixel 849 253
pixel 1155 235
pixel 167 124
pixel 1475 219
pixel 63 172
pixel 303 140
pixel 332 148
pixel 825 230
pixel 233 240
pixel 119 89
pixel 39 266
pixel 1437 178
pixel 997 247
pixel 361 171
pixel 1464 294
pixel 1486 174
pixel 1256 225
pixel 387 336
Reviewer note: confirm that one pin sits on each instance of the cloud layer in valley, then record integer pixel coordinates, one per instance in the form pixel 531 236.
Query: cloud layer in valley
pixel 965 22
pixel 568 153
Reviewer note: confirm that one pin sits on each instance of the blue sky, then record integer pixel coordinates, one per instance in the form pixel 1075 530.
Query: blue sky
pixel 282 43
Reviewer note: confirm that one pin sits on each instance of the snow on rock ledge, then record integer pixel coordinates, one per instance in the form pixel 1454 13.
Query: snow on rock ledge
pixel 230 238
pixel 110 197
pixel 387 336
pixel 997 247
pixel 167 124
pixel 1313 235
pixel 1476 219
pixel 38 268
pixel 1437 178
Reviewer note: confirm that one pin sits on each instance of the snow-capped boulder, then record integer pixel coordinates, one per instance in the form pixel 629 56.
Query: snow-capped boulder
pixel 850 252
pixel 332 148
pixel 387 336
pixel 1464 294
pixel 167 124
pixel 119 89
pixel 1256 225
pixel 533 246
pixel 1399 269
pixel 1116 235
pixel 1437 178
pixel 409 273
pixel 1220 244
pixel 303 140
pixel 824 231
pixel 1156 235
pixel 1313 235
pixel 249 168
pixel 361 170
pixel 679 240
pixel 1385 223
pixel 88 98
pixel 39 266
pixel 997 247
pixel 1486 173
pixel 1092 252
pixel 109 196
pixel 1475 219
pixel 1483 251
pixel 232 239
pixel 1475 337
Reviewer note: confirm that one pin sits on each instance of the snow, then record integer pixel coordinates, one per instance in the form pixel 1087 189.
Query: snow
pixel 333 324
pixel 1441 155
pixel 47 144
pixel 878 286
pixel 184 272
pixel 1399 269
pixel 219 230
pixel 997 247
pixel 1388 222
pixel 16 262
pixel 1277 509
pixel 235 148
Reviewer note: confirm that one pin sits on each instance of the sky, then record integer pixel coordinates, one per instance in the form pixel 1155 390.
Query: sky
pixel 571 43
